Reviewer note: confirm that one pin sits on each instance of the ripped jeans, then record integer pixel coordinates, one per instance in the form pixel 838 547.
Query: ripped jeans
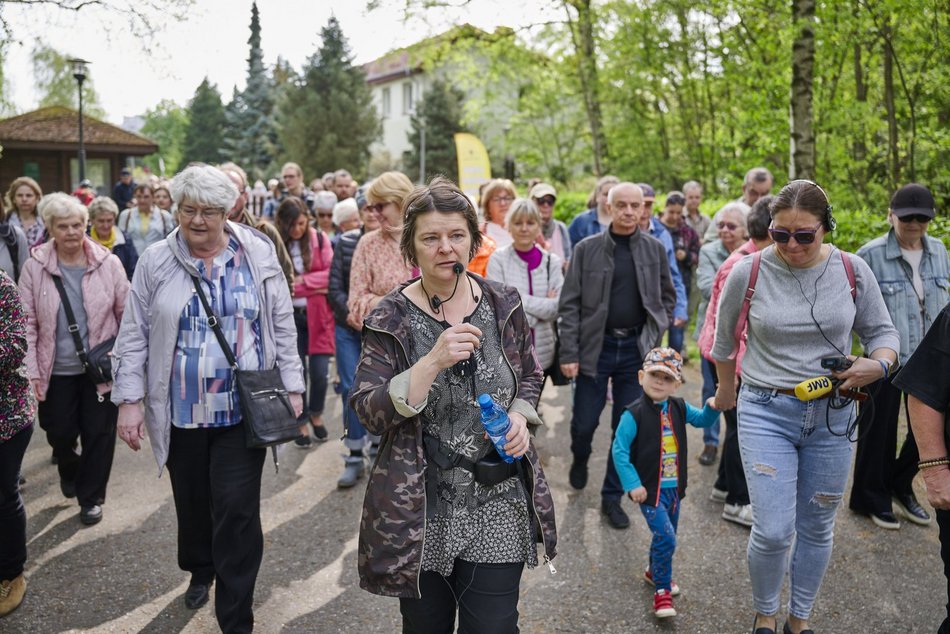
pixel 796 471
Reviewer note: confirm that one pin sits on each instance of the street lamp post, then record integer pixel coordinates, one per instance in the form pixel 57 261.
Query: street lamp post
pixel 79 72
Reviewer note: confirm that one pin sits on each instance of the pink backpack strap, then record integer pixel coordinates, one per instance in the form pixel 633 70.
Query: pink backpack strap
pixel 849 271
pixel 746 302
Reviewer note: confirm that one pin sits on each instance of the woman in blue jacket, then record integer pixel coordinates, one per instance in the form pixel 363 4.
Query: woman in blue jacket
pixel 912 270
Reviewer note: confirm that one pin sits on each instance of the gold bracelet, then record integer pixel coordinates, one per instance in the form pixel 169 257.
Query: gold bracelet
pixel 937 462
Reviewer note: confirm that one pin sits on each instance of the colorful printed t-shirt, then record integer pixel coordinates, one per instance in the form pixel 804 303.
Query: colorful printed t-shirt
pixel 669 450
pixel 202 391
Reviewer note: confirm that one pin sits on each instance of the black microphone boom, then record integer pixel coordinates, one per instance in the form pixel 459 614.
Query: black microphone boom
pixel 434 301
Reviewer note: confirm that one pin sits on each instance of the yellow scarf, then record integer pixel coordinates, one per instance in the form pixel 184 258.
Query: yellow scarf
pixel 107 243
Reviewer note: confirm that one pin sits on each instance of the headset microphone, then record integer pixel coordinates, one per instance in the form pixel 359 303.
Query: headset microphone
pixel 810 389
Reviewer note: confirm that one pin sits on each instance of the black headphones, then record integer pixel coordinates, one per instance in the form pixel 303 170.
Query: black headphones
pixel 829 222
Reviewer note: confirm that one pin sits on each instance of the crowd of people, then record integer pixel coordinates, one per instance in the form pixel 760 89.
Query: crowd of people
pixel 412 301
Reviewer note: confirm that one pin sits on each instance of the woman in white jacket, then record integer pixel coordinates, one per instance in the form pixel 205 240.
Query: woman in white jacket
pixel 536 274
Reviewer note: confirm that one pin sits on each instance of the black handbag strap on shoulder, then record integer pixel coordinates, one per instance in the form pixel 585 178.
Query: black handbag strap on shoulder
pixel 71 318
pixel 215 324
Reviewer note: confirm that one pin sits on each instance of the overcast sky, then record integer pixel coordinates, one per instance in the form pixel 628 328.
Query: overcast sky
pixel 212 41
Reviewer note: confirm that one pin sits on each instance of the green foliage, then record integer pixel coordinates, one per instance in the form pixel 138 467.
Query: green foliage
pixel 166 124
pixel 204 134
pixel 251 137
pixel 57 86
pixel 326 120
pixel 440 112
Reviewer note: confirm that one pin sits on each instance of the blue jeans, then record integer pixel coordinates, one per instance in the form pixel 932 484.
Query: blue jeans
pixel 663 520
pixel 675 340
pixel 620 360
pixel 711 433
pixel 347 356
pixel 12 511
pixel 796 471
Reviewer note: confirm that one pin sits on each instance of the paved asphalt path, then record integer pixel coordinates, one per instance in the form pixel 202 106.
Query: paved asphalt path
pixel 121 575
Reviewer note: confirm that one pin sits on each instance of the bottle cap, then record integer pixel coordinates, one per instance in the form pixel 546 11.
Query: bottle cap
pixel 484 400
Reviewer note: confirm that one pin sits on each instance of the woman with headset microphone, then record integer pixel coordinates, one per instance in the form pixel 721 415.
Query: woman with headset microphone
pixel 806 299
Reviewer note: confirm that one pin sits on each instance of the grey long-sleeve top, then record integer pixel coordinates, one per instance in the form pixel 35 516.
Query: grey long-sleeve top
pixel 794 311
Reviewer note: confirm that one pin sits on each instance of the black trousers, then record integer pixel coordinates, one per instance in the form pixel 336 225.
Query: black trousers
pixel 731 476
pixel 484 595
pixel 12 512
pixel 877 473
pixel 216 482
pixel 72 410
pixel 943 521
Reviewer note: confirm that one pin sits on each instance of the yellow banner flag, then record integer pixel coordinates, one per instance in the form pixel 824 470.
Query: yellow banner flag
pixel 474 168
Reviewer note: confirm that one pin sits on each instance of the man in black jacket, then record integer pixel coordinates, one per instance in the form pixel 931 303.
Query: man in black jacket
pixel 616 303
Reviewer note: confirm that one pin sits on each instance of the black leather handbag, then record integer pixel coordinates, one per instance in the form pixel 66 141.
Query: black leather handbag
pixel 268 416
pixel 97 363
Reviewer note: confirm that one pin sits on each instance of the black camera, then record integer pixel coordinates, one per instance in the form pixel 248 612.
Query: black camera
pixel 836 364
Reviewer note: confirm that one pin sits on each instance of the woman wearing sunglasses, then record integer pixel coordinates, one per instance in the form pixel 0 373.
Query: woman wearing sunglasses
pixel 796 454
pixel 732 235
pixel 911 270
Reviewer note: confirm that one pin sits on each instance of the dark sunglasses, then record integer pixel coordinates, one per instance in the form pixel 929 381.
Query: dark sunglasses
pixel 731 226
pixel 547 201
pixel 921 218
pixel 377 208
pixel 802 236
pixel 325 214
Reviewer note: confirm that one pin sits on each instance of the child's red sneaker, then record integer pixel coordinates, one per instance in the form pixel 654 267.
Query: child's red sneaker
pixel 674 589
pixel 663 604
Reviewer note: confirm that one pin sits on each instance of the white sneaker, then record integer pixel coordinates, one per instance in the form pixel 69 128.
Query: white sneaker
pixel 738 514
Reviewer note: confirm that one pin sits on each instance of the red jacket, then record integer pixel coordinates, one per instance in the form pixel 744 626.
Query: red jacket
pixel 314 285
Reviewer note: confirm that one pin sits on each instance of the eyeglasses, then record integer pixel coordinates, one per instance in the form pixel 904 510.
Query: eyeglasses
pixel 731 226
pixel 921 218
pixel 547 201
pixel 325 214
pixel 504 200
pixel 211 213
pixel 802 236
pixel 377 208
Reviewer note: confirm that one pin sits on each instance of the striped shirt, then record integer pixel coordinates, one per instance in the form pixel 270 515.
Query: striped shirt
pixel 202 382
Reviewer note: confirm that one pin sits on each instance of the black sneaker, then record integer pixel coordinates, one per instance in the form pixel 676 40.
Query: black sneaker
pixel 90 515
pixel 616 516
pixel 303 442
pixel 578 475
pixel 885 519
pixel 319 432
pixel 911 509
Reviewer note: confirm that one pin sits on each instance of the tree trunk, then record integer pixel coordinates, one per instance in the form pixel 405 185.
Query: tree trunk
pixel 859 149
pixel 802 139
pixel 893 149
pixel 585 50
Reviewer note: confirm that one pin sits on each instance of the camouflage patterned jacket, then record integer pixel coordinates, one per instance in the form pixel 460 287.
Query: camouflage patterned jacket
pixel 392 526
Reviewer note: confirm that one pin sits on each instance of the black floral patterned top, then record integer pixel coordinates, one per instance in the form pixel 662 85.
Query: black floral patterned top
pixel 17 403
pixel 471 522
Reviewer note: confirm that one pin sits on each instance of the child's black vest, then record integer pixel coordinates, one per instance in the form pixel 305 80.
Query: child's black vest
pixel 646 447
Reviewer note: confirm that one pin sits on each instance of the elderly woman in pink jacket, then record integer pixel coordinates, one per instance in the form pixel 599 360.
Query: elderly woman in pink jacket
pixel 72 406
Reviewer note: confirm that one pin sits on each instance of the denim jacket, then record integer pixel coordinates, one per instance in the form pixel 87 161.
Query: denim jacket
pixel 894 276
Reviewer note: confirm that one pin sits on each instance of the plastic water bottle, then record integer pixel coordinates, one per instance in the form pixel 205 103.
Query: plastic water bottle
pixel 496 423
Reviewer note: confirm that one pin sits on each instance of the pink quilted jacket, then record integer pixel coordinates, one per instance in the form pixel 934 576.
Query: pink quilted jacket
pixel 104 290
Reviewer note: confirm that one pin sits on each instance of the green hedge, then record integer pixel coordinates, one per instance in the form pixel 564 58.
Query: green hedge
pixel 855 227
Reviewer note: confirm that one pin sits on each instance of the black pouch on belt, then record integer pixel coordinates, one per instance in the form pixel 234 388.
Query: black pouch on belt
pixel 488 471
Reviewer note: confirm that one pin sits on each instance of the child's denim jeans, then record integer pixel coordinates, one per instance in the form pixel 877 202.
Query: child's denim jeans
pixel 662 520
pixel 796 471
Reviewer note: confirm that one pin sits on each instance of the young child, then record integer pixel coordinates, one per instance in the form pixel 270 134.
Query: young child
pixel 649 452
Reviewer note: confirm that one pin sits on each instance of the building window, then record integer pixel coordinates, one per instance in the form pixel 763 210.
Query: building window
pixel 407 102
pixel 387 102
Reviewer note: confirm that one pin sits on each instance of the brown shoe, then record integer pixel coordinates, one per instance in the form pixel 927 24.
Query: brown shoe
pixel 11 594
pixel 708 456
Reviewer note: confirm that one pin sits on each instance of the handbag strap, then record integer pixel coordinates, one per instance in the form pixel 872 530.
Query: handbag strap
pixel 71 318
pixel 215 324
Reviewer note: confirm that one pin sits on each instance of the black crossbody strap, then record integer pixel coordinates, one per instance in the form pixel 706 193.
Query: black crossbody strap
pixel 71 318
pixel 215 324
